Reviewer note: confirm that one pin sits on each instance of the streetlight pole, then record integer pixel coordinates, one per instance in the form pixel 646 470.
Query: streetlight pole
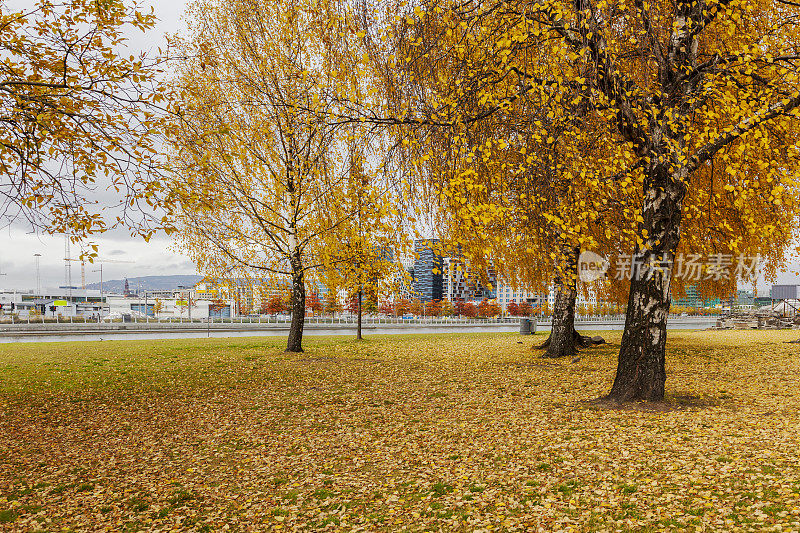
pixel 101 280
pixel 2 311
pixel 37 258
pixel 101 291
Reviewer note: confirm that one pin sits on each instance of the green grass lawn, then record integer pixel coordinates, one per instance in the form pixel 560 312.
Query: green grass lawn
pixel 433 432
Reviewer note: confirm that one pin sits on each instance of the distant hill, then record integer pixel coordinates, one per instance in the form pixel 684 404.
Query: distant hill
pixel 150 283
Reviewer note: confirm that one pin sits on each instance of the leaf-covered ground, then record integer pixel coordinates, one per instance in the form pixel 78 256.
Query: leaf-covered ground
pixel 470 432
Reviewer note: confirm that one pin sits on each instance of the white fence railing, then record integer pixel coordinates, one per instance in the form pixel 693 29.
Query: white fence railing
pixel 320 320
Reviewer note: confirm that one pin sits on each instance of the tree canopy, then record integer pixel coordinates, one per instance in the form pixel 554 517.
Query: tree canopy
pixel 78 146
pixel 265 180
pixel 679 116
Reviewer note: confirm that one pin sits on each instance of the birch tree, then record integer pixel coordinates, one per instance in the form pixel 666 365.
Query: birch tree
pixel 681 90
pixel 506 141
pixel 260 169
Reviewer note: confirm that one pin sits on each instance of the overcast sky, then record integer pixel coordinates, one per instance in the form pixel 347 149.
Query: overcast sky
pixel 18 246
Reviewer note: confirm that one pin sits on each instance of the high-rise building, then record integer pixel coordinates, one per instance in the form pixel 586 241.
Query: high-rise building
pixel 694 298
pixel 427 273
pixel 403 278
pixel 506 293
pixel 460 283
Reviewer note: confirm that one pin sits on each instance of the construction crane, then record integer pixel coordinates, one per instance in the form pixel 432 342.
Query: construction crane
pixel 68 273
pixel 68 268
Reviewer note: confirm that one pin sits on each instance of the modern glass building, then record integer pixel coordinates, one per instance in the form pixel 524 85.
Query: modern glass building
pixel 427 274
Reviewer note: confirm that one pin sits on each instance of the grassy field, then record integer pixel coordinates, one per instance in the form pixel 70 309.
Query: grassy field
pixel 449 432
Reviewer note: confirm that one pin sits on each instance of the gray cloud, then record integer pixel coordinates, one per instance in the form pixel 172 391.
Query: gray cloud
pixel 18 245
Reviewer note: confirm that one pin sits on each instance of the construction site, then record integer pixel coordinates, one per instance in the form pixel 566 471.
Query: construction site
pixel 781 313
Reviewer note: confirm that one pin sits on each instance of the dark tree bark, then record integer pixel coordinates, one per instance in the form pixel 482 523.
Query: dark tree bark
pixel 561 342
pixel 661 143
pixel 564 340
pixel 295 342
pixel 358 331
pixel 641 374
pixel 581 341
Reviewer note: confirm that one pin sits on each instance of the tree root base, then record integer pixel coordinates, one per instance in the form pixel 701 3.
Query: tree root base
pixel 581 341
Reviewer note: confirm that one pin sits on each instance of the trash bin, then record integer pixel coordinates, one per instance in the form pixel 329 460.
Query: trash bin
pixel 533 326
pixel 525 326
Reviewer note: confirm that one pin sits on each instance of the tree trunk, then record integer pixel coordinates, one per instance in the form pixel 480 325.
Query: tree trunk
pixel 640 368
pixel 563 337
pixel 358 331
pixel 295 342
pixel 579 341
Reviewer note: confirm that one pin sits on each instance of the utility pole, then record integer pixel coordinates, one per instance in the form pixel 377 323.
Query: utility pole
pixel 208 321
pixel 2 312
pixel 101 279
pixel 67 267
pixel 101 290
pixel 100 262
pixel 36 259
